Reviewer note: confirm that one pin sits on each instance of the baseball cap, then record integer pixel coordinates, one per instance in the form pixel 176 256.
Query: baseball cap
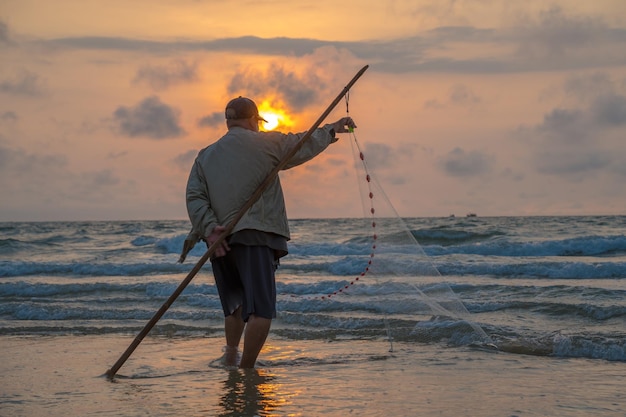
pixel 242 108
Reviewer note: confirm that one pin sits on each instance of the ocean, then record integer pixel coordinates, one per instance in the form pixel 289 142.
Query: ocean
pixel 455 308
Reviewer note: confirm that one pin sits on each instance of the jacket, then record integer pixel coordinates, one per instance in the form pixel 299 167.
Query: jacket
pixel 226 173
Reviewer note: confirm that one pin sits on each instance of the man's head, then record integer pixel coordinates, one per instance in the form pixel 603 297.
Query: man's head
pixel 242 110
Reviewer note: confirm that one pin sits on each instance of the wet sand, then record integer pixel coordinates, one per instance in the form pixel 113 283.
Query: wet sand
pixel 64 376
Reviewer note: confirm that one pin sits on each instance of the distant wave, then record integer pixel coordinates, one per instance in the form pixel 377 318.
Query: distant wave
pixel 399 298
pixel 538 269
pixel 25 268
pixel 342 266
pixel 449 237
pixel 439 242
pixel 553 309
pixel 580 246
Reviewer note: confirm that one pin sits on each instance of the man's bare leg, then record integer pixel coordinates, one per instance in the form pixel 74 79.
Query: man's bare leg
pixel 257 330
pixel 233 328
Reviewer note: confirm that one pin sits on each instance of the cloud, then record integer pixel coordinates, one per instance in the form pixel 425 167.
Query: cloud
pixel 602 109
pixel 244 44
pixel 296 90
pixel 578 141
pixel 589 87
pixel 379 155
pixel 561 144
pixel 116 154
pixel 113 43
pixel 459 95
pixel 43 179
pixel 24 84
pixel 103 178
pixel 609 110
pixel 8 116
pixel 185 160
pixel 284 88
pixel 4 34
pixel 100 188
pixel 620 169
pixel 163 77
pixel 564 126
pixel 212 120
pixel 462 163
pixel 571 162
pixel 549 40
pixel 29 181
pixel 552 33
pixel 16 161
pixel 150 118
pixel 607 97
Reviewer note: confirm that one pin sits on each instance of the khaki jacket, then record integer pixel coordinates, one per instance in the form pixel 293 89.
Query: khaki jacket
pixel 226 174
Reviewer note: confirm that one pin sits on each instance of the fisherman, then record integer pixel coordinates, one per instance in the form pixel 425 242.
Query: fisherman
pixel 223 178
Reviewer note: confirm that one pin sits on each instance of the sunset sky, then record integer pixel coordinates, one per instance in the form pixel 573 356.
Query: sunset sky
pixel 495 107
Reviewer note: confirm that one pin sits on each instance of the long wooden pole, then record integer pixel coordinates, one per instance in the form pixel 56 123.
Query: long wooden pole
pixel 229 228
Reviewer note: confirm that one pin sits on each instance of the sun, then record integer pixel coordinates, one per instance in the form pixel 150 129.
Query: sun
pixel 272 120
pixel 276 117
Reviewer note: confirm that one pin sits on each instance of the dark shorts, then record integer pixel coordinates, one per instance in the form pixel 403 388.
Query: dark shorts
pixel 246 277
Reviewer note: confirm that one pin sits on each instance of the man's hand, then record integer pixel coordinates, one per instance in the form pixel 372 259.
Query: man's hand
pixel 344 125
pixel 223 247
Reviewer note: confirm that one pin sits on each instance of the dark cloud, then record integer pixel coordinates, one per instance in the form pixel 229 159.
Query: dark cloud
pixel 4 34
pixel 6 156
pixel 462 163
pixel 607 97
pixel 571 162
pixel 564 125
pixel 575 142
pixel 150 118
pixel 113 43
pixel 620 169
pixel 244 44
pixel 462 95
pixel 609 110
pixel 296 90
pixel 47 180
pixel 273 46
pixel 550 40
pixel 603 113
pixel 99 179
pixel 434 104
pixel 459 95
pixel 8 116
pixel 462 33
pixel 212 120
pixel 24 84
pixel 117 154
pixel 16 161
pixel 553 33
pixel 185 161
pixel 589 87
pixel 163 77
pixel 379 155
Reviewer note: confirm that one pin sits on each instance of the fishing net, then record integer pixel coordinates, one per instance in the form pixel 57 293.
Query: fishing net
pixel 414 300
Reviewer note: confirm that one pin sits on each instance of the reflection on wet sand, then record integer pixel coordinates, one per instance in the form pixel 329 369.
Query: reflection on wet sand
pixel 251 392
